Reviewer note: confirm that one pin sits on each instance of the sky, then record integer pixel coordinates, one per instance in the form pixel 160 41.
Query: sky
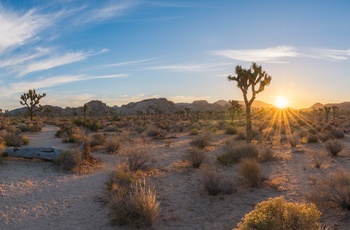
pixel 126 51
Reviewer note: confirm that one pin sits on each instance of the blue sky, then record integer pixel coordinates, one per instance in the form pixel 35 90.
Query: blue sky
pixel 123 51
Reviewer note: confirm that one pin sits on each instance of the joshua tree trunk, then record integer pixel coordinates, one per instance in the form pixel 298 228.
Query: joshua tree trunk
pixel 248 124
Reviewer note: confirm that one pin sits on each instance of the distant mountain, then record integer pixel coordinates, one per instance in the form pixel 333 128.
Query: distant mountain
pixel 151 106
pixel 342 106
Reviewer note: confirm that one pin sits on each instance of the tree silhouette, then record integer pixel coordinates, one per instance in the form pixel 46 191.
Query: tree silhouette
pixel 32 100
pixel 249 79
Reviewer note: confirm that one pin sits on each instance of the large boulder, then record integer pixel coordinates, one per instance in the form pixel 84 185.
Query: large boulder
pixel 43 153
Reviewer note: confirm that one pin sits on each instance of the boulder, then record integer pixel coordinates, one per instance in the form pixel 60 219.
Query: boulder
pixel 43 153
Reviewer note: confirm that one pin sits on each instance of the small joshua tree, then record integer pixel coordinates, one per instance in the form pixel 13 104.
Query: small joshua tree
pixel 327 110
pixel 235 108
pixel 32 100
pixel 254 78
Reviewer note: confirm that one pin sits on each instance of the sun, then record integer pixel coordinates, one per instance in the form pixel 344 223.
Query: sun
pixel 281 102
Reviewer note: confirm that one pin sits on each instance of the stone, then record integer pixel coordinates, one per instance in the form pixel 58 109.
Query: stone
pixel 43 153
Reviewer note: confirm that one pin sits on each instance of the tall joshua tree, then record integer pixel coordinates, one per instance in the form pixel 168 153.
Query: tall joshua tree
pixel 251 82
pixel 31 100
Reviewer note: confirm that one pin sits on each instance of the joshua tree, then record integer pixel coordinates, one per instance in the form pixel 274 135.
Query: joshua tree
pixel 32 100
pixel 234 108
pixel 327 110
pixel 335 110
pixel 250 78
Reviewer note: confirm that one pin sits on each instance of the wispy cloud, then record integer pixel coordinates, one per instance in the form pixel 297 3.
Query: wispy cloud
pixel 129 62
pixel 187 67
pixel 17 29
pixel 58 80
pixel 330 54
pixel 57 60
pixel 273 54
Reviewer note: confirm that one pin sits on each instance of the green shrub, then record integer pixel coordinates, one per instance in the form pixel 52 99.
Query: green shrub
pixel 251 171
pixel 236 152
pixel 279 214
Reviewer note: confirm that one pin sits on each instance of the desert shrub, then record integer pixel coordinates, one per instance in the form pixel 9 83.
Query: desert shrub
pixel 97 139
pixel 195 157
pixel 11 136
pixel 293 140
pixel 155 133
pixel 122 178
pixel 231 130
pixel 111 128
pixel 113 145
pixel 251 171
pixel 70 160
pixel 317 158
pixel 214 183
pixel 25 140
pixel 194 131
pixel 138 207
pixel 279 214
pixel 338 133
pixel 334 147
pixel 236 152
pixel 267 155
pixel 137 158
pixel 241 136
pixel 312 138
pixel 23 127
pixel 201 141
pixel 333 191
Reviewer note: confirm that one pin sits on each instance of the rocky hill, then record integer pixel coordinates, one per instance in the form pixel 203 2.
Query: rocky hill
pixel 148 106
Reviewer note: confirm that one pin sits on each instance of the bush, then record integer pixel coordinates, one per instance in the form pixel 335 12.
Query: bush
pixel 11 137
pixel 333 191
pixel 70 160
pixel 138 207
pixel 312 138
pixel 137 159
pixel 251 171
pixel 278 214
pixel 293 140
pixel 201 141
pixel 334 147
pixel 267 155
pixel 231 130
pixel 338 133
pixel 317 158
pixel 113 145
pixel 235 153
pixel 195 157
pixel 97 139
pixel 155 132
pixel 214 183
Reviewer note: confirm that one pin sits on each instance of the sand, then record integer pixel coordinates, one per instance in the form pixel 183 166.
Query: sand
pixel 36 195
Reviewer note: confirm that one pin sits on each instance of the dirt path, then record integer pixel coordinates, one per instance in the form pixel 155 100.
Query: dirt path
pixel 36 195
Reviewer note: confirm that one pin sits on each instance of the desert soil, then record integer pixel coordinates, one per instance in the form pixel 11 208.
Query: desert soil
pixel 36 195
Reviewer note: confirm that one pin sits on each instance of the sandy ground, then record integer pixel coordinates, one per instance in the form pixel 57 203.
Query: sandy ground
pixel 35 195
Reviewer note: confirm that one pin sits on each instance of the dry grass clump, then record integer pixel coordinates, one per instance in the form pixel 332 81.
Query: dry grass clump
pixel 338 133
pixel 73 160
pixel 194 131
pixel 235 152
pixel 267 155
pixel 137 158
pixel 113 145
pixel 214 183
pixel 130 200
pixel 201 141
pixel 231 130
pixel 293 140
pixel 317 158
pixel 333 191
pixel 251 171
pixel 312 138
pixel 279 214
pixel 334 147
pixel 97 139
pixel 12 137
pixel 138 206
pixel 155 133
pixel 195 157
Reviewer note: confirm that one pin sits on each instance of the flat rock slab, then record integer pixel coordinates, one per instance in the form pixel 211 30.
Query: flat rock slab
pixel 43 153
